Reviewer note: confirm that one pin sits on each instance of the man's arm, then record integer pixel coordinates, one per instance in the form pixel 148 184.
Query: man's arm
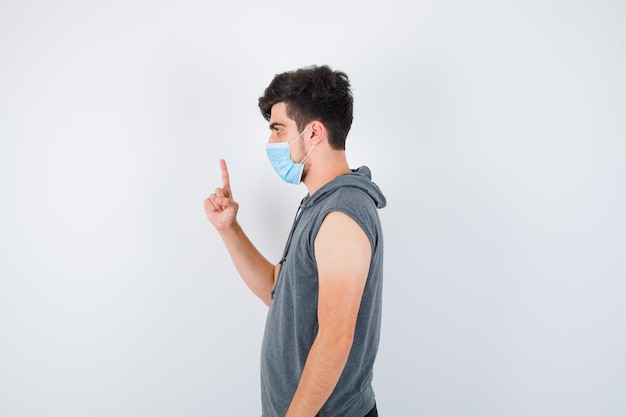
pixel 221 210
pixel 343 254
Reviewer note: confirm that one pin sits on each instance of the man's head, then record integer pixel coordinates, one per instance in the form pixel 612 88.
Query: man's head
pixel 313 93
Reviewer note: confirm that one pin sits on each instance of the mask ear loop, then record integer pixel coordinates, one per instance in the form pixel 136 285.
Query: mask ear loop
pixel 299 136
pixel 307 154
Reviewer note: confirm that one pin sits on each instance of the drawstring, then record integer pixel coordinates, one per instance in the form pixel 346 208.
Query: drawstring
pixel 293 229
pixel 286 251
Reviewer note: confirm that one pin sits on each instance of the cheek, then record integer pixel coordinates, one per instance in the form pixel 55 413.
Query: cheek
pixel 297 151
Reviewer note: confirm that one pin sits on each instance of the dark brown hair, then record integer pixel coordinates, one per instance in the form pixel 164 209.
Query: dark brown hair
pixel 313 93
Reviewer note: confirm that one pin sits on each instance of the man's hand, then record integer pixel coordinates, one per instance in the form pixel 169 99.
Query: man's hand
pixel 220 208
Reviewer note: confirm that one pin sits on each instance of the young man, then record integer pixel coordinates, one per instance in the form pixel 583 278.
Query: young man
pixel 324 296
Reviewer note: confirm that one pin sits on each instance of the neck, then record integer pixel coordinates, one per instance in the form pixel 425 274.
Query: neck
pixel 323 170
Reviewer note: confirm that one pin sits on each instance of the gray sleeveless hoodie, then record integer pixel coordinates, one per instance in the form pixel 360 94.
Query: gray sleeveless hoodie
pixel 291 325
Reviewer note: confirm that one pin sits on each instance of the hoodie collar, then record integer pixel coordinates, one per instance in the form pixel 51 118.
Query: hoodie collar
pixel 360 178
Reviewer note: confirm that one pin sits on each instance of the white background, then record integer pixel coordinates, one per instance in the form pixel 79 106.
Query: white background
pixel 496 129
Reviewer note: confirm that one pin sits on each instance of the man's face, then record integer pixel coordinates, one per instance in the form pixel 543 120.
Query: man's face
pixel 284 129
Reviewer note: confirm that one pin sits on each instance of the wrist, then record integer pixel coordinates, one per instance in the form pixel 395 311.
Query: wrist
pixel 229 229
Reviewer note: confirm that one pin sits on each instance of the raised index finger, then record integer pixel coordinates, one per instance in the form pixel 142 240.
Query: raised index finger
pixel 225 178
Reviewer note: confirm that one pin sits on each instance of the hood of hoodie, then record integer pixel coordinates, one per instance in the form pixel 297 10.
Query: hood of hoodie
pixel 360 178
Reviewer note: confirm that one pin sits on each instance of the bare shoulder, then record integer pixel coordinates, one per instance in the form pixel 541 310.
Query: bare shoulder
pixel 342 240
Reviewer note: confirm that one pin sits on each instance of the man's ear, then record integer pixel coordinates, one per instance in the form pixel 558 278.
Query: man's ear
pixel 318 133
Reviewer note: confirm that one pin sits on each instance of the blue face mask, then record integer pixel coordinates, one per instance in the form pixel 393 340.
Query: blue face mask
pixel 280 158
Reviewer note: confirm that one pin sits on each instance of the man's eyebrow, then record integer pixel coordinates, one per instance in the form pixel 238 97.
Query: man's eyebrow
pixel 273 125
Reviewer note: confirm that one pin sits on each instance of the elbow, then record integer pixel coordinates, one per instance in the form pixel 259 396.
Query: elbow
pixel 344 347
pixel 339 344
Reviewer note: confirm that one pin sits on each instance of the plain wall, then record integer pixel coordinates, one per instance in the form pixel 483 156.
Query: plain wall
pixel 496 129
